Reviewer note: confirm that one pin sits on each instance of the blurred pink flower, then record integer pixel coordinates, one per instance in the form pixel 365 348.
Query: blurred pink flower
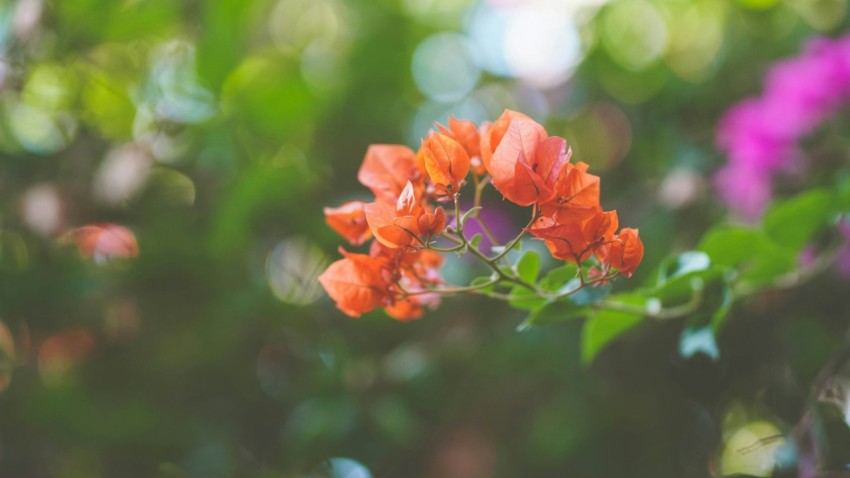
pixel 105 241
pixel 760 135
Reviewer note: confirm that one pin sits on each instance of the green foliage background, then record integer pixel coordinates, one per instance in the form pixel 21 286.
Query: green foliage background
pixel 198 369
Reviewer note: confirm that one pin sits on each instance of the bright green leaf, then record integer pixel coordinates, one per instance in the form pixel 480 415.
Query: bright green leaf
pixel 528 266
pixel 603 328
pixel 557 279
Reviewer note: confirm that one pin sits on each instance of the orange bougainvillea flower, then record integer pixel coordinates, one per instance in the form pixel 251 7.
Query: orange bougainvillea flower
pixel 349 221
pixel 447 164
pixel 623 252
pixel 357 283
pixel 387 168
pixel 577 236
pixel 577 188
pixel 401 273
pixel 491 134
pixel 402 224
pixel 528 163
pixel 467 134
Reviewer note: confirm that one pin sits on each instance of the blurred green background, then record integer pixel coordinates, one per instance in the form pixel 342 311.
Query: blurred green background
pixel 217 130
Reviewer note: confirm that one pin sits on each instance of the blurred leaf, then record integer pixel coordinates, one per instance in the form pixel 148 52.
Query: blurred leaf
pixel 266 96
pixel 757 258
pixel 602 328
pixel 684 263
pixel 794 222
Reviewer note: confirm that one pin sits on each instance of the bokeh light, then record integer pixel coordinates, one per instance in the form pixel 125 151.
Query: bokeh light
pixel 292 270
pixel 443 68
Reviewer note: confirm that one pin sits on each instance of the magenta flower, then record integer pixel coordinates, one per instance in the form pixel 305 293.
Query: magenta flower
pixel 760 135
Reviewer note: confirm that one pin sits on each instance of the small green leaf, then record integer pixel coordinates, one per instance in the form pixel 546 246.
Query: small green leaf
pixel 794 222
pixel 525 299
pixel 483 280
pixel 476 240
pixel 468 214
pixel 528 266
pixel 556 279
pixel 603 328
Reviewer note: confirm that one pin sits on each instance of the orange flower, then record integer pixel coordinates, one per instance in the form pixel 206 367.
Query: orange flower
pixel 527 163
pixel 349 221
pixel 468 135
pixel 446 162
pixel 575 236
pixel 577 188
pixel 492 134
pixel 356 283
pixel 387 168
pixel 401 225
pixel 623 252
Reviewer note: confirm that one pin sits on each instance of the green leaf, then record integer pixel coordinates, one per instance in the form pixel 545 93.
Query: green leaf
pixel 476 240
pixel 683 264
pixel 794 222
pixel 553 312
pixel 525 299
pixel 482 280
pixel 757 258
pixel 558 278
pixel 528 266
pixel 603 328
pixel 680 290
pixel 732 245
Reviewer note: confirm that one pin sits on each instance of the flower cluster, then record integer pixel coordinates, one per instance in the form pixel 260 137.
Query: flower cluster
pixel 526 165
pixel 760 135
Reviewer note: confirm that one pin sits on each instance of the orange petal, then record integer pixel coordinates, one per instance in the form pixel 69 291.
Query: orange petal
pixel 446 161
pixel 355 283
pixel 491 135
pixel 383 223
pixel 349 221
pixel 386 169
pixel 405 309
pixel 522 137
pixel 623 252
